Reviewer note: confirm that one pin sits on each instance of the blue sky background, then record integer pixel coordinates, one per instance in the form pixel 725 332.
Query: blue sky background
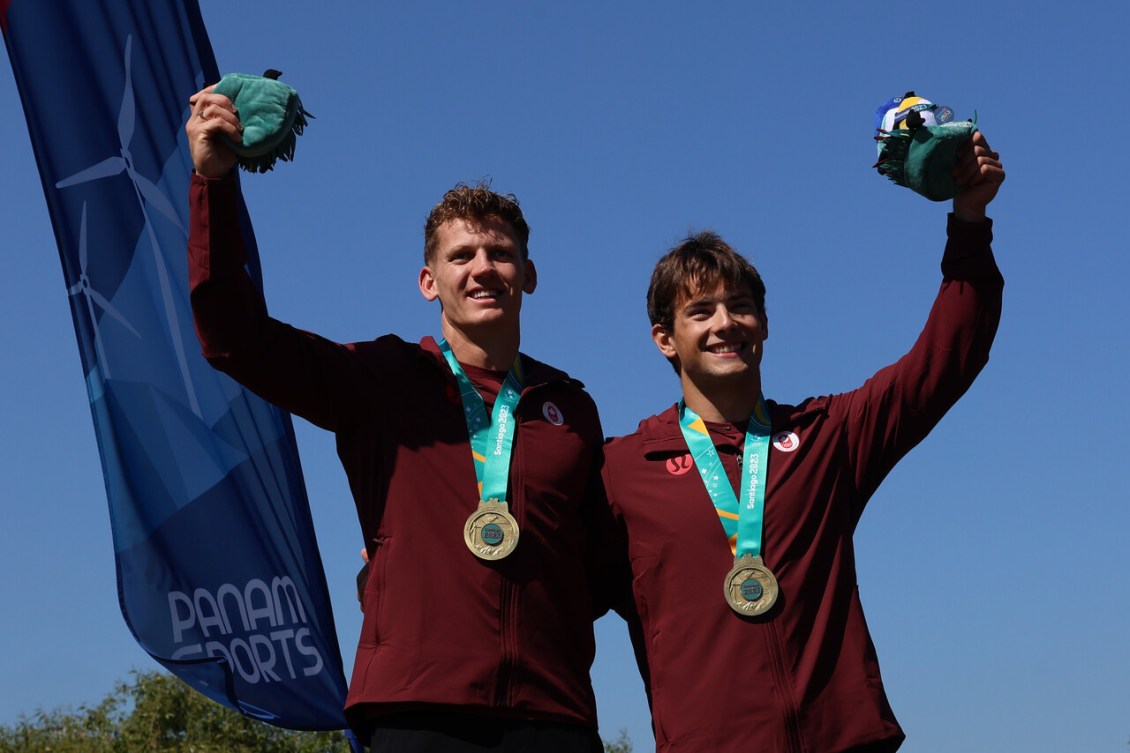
pixel 991 562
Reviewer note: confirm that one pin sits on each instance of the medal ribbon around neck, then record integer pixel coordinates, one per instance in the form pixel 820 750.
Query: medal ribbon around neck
pixel 742 520
pixel 491 532
pixel 750 588
pixel 492 438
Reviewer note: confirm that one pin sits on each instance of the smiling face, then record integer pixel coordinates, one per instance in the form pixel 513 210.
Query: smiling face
pixel 716 340
pixel 479 275
pixel 706 304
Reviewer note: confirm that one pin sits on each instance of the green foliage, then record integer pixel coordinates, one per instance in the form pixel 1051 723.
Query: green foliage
pixel 158 713
pixel 623 744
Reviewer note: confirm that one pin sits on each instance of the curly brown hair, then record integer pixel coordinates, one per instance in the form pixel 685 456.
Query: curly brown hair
pixel 476 203
pixel 700 262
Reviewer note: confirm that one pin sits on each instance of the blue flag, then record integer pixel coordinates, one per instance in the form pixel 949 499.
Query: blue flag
pixel 219 575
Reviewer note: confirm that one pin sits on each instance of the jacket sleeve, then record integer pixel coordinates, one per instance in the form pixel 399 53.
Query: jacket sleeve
pixel 615 569
pixel 606 555
pixel 303 373
pixel 616 584
pixel 895 409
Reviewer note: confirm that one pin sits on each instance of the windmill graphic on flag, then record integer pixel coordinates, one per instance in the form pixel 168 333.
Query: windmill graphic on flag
pixel 219 576
pixel 147 195
pixel 93 298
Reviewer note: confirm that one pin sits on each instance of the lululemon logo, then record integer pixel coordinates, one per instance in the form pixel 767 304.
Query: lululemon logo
pixel 786 441
pixel 552 414
pixel 680 465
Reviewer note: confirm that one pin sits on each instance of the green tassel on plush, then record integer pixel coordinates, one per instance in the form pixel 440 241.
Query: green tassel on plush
pixel 272 116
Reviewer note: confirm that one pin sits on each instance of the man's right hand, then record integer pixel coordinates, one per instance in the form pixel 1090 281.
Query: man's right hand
pixel 980 172
pixel 212 115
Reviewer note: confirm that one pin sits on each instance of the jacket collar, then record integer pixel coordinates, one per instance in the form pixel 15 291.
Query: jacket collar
pixel 536 372
pixel 661 435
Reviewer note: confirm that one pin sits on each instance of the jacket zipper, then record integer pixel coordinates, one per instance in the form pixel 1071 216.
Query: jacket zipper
pixel 508 603
pixel 508 591
pixel 792 717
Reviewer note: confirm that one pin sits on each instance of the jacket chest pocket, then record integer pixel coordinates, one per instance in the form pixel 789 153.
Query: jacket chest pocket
pixel 553 465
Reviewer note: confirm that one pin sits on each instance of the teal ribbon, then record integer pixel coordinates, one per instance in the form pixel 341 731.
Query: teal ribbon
pixel 492 437
pixel 745 519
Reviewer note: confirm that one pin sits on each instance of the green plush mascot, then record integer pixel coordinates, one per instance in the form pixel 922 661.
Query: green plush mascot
pixel 918 143
pixel 272 118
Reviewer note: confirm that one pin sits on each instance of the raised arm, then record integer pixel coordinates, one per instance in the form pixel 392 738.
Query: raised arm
pixel 895 409
pixel 310 376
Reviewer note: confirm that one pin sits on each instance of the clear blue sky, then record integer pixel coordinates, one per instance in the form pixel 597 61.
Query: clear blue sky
pixel 991 562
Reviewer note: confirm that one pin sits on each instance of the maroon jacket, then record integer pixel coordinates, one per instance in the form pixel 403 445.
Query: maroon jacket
pixel 803 677
pixel 442 628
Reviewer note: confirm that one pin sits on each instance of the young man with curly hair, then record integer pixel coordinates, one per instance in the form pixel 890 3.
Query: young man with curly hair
pixel 473 468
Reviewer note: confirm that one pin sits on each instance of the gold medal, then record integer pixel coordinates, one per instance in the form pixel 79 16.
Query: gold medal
pixel 751 589
pixel 491 532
